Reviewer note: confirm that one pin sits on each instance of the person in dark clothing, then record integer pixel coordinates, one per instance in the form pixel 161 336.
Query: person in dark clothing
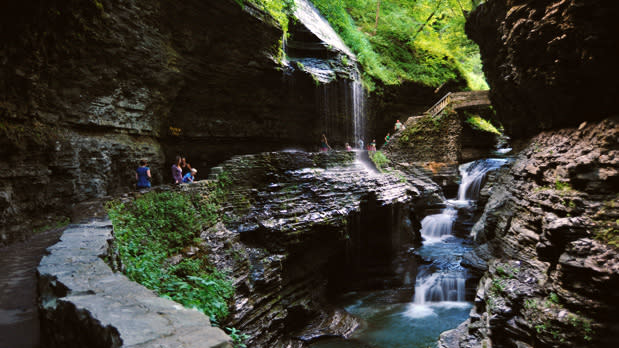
pixel 186 167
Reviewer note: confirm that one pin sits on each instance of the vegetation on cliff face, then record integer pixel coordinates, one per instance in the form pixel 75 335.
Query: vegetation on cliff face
pixel 401 40
pixel 479 123
pixel 157 240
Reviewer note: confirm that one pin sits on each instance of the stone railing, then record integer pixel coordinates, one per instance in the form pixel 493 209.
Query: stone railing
pixel 83 303
pixel 459 100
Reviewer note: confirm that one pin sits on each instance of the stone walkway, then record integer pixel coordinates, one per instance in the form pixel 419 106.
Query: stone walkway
pixel 19 318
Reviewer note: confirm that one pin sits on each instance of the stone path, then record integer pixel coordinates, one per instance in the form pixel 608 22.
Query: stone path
pixel 19 319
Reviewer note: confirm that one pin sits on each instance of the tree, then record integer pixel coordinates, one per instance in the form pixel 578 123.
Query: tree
pixel 377 13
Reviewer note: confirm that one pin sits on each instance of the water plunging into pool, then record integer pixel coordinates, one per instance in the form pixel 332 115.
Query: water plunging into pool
pixel 443 288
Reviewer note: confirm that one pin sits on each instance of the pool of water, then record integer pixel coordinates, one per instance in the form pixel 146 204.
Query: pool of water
pixel 391 324
pixel 398 325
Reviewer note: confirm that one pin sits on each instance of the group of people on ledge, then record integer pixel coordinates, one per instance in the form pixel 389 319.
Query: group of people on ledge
pixel 324 144
pixel 181 173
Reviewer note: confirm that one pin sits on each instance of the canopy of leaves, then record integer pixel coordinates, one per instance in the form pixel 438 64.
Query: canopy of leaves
pixel 412 40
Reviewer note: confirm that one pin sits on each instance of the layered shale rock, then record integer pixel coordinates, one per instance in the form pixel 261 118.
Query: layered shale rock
pixel 300 226
pixel 89 88
pixel 549 63
pixel 550 234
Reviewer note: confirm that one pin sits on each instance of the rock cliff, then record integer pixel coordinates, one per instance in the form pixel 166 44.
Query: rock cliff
pixel 551 229
pixel 549 63
pixel 89 88
pixel 301 226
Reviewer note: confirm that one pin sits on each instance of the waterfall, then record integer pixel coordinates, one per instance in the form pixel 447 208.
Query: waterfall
pixel 440 287
pixel 433 227
pixel 358 110
pixel 474 175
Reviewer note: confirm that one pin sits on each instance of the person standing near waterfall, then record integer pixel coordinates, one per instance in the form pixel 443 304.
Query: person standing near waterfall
pixel 177 172
pixel 324 144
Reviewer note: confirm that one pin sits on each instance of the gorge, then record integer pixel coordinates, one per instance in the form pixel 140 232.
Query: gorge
pixel 474 226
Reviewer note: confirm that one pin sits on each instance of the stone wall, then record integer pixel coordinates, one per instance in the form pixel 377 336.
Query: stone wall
pixel 83 303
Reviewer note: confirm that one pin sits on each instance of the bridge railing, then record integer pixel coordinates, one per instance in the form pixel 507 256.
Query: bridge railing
pixel 459 100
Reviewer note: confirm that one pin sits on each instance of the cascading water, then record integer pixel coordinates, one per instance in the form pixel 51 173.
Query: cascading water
pixel 440 301
pixel 474 175
pixel 358 110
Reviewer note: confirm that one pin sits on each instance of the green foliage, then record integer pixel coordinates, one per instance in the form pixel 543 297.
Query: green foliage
pixel 497 286
pixel 505 272
pixel 421 41
pixel 530 303
pixel 237 337
pixel 280 10
pixel 553 298
pixel 581 324
pixel 609 235
pixel 380 160
pixel 482 124
pixel 562 186
pixel 156 226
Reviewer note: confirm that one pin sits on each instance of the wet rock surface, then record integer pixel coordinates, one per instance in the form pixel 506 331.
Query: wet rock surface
pixel 547 62
pixel 83 303
pixel 547 226
pixel 302 226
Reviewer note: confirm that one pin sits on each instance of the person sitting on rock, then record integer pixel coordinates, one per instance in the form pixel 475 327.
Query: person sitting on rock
pixel 190 177
pixel 348 148
pixel 186 167
pixel 398 126
pixel 142 175
pixel 324 144
pixel 177 172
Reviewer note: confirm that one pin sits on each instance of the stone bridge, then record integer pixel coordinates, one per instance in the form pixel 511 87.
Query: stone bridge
pixel 460 100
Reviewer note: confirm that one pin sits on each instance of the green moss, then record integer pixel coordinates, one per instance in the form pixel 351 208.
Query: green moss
pixel 482 124
pixel 380 160
pixel 562 186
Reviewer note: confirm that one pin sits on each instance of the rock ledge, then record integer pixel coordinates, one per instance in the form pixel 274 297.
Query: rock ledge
pixel 83 303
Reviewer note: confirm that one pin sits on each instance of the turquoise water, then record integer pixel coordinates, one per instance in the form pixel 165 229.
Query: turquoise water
pixel 411 325
pixel 399 325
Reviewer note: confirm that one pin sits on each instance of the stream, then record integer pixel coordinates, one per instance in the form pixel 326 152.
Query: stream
pixel 444 290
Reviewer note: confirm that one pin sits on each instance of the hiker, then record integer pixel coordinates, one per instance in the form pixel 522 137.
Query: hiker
pixel 142 175
pixel 372 145
pixel 324 144
pixel 360 142
pixel 398 126
pixel 386 139
pixel 190 176
pixel 177 172
pixel 348 148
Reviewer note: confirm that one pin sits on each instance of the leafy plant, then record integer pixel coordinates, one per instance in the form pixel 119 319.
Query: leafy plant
pixel 380 160
pixel 421 41
pixel 156 226
pixel 237 337
pixel 482 124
